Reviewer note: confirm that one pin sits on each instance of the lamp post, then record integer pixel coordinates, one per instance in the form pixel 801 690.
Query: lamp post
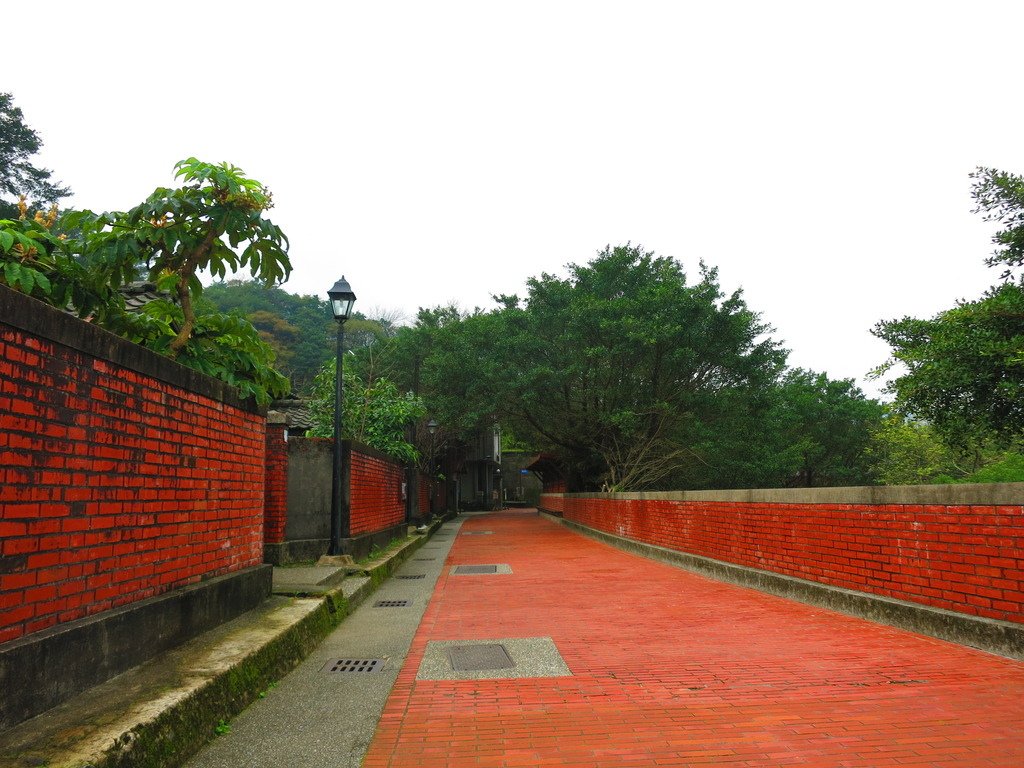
pixel 432 429
pixel 342 299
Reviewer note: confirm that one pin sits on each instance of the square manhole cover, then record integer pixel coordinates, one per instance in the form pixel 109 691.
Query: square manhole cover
pixel 412 576
pixel 492 658
pixel 478 658
pixel 354 665
pixel 471 569
pixel 392 604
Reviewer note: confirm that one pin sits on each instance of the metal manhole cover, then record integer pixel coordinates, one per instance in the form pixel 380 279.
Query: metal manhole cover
pixel 477 658
pixel 471 569
pixel 412 576
pixel 392 604
pixel 354 665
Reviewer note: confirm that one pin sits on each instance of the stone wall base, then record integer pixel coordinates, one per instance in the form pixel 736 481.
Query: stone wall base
pixel 43 669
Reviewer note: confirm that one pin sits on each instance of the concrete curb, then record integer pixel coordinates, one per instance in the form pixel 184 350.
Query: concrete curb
pixel 999 637
pixel 177 723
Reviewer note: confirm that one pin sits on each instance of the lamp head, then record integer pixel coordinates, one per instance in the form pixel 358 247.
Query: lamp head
pixel 342 298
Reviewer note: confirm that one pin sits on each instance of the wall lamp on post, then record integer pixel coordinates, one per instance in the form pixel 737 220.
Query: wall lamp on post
pixel 342 298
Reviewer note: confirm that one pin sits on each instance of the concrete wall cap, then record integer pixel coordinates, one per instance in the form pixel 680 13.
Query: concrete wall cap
pixel 987 494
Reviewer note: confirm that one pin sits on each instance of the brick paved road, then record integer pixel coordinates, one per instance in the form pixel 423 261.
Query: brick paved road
pixel 673 669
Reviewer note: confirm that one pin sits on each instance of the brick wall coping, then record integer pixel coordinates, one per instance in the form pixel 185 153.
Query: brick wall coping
pixel 373 453
pixel 353 445
pixel 42 320
pixel 953 494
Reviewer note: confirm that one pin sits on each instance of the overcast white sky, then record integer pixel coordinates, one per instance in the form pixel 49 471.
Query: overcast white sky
pixel 818 153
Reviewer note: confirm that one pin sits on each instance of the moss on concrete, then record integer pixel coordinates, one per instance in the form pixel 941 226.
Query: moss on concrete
pixel 180 731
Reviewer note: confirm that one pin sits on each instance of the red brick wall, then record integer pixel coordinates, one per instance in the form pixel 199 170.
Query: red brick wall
pixel 375 492
pixel 964 558
pixel 275 495
pixel 116 483
pixel 424 495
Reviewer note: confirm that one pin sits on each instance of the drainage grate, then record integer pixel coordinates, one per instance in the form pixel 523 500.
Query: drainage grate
pixel 471 569
pixel 354 665
pixel 392 604
pixel 477 658
pixel 478 533
pixel 424 559
pixel 413 576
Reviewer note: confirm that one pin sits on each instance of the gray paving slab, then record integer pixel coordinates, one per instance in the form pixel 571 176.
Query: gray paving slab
pixel 531 657
pixel 491 569
pixel 314 717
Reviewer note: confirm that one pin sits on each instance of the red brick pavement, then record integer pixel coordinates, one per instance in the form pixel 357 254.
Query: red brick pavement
pixel 673 669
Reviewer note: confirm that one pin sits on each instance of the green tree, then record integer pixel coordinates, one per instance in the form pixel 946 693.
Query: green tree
pixel 214 222
pixel 804 430
pixel 1008 468
pixel 374 412
pixel 300 328
pixel 281 335
pixel 823 427
pixel 278 314
pixel 613 369
pixel 176 233
pixel 999 197
pixel 906 452
pixel 964 368
pixel 617 367
pixel 18 176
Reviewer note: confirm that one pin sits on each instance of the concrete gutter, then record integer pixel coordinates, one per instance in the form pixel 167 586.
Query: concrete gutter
pixel 160 713
pixel 1000 637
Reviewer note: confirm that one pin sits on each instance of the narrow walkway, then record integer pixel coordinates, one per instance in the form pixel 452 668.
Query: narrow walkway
pixel 672 669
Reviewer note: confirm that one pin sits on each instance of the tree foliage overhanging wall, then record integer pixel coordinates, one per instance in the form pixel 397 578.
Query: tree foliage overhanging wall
pixel 81 261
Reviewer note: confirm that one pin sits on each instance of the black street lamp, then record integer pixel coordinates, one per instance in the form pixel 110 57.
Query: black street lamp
pixel 342 299
pixel 432 429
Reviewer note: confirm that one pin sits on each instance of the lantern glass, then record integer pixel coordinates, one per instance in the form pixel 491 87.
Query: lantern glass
pixel 342 298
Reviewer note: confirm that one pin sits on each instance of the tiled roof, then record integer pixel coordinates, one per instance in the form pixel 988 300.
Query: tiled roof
pixel 138 295
pixel 297 411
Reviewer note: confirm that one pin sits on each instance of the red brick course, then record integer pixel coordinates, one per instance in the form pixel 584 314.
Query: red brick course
pixel 672 669
pixel 115 485
pixel 376 493
pixel 968 559
pixel 423 502
pixel 275 495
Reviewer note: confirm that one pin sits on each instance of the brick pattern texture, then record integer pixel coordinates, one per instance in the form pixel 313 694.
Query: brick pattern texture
pixel 673 669
pixel 275 494
pixel 376 492
pixel 968 559
pixel 424 495
pixel 115 486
